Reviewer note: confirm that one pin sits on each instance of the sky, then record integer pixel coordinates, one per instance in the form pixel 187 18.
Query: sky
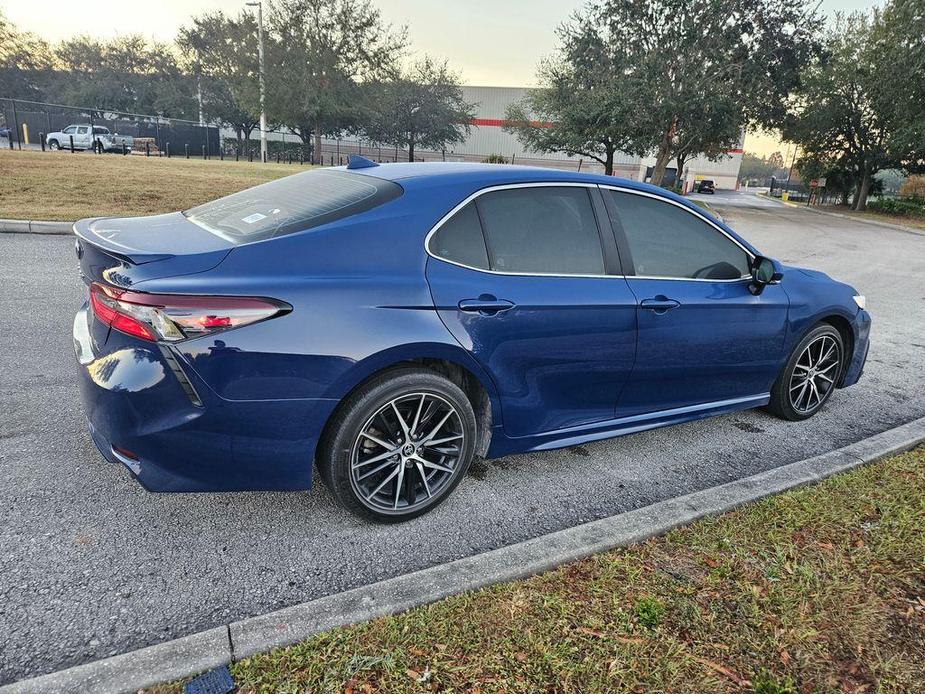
pixel 488 42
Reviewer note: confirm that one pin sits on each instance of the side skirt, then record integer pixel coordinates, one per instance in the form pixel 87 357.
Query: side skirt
pixel 502 445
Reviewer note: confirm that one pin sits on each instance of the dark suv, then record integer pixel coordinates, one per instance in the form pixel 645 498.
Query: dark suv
pixel 705 187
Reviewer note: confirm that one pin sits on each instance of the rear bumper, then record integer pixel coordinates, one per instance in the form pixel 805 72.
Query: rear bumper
pixel 136 402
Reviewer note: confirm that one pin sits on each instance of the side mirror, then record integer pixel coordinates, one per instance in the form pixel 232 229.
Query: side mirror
pixel 764 272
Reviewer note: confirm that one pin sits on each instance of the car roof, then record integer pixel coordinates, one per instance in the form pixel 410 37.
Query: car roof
pixel 418 173
pixel 476 175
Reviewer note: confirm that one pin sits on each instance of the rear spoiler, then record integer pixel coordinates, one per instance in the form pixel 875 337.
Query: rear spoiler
pixel 83 229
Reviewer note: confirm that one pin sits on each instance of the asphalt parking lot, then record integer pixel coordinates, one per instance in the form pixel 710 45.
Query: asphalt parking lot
pixel 92 565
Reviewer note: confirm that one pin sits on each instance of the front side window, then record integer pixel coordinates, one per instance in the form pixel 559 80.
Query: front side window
pixel 293 203
pixel 70 130
pixel 541 230
pixel 667 241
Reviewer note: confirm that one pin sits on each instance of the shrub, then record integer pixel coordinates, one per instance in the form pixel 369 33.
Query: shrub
pixel 495 159
pixel 903 207
pixel 913 187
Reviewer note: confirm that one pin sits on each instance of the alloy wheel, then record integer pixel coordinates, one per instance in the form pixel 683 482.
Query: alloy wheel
pixel 814 374
pixel 406 453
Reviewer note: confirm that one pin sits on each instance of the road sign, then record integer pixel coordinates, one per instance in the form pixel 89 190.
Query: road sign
pixel 821 182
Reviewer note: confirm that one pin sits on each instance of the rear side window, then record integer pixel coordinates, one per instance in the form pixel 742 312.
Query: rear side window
pixel 460 239
pixel 293 203
pixel 541 230
pixel 668 241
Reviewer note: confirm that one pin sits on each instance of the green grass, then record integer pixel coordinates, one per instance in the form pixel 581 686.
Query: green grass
pixel 817 590
pixel 62 186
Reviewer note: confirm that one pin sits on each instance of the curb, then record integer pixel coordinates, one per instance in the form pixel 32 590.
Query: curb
pixel 25 226
pixel 196 653
pixel 860 220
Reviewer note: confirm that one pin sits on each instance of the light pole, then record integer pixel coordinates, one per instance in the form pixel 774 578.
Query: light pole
pixel 263 110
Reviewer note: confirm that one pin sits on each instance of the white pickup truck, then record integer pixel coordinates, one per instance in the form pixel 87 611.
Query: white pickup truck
pixel 102 139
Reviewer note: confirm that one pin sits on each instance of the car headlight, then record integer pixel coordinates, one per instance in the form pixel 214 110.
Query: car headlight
pixel 861 301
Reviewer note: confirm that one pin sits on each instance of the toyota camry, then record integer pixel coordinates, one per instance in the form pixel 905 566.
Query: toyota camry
pixel 386 323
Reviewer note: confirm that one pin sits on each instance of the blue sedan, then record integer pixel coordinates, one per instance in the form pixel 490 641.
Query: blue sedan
pixel 388 323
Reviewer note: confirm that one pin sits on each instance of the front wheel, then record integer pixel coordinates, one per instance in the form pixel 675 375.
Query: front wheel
pixel 53 145
pixel 809 376
pixel 399 445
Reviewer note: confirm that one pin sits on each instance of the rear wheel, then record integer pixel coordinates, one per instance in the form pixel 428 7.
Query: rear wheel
pixel 399 445
pixel 809 377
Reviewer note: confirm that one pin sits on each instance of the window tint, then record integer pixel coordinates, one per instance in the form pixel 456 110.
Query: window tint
pixel 97 130
pixel 460 239
pixel 667 241
pixel 293 203
pixel 541 230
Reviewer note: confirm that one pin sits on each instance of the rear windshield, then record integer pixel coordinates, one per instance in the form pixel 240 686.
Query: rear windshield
pixel 293 203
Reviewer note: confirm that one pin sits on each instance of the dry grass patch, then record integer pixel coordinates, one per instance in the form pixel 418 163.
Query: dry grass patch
pixel 65 187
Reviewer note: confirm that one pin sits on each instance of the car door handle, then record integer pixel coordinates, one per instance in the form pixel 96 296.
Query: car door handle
pixel 486 304
pixel 659 304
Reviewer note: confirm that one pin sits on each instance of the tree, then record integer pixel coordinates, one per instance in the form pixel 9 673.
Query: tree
pixel 897 51
pixel 125 74
pixel 322 51
pixel 423 106
pixel 671 77
pixel 25 62
pixel 222 52
pixel 710 136
pixel 840 116
pixel 712 62
pixel 587 102
pixel 755 168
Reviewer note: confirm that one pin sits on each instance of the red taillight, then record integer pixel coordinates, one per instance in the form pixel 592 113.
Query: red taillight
pixel 106 307
pixel 176 316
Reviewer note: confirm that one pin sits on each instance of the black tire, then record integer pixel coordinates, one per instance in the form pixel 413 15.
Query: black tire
pixel 789 384
pixel 341 446
pixel 53 145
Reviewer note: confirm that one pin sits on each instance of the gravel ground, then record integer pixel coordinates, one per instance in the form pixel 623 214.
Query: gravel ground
pixel 92 565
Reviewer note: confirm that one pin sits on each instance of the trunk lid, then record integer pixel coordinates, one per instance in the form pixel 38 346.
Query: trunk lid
pixel 126 251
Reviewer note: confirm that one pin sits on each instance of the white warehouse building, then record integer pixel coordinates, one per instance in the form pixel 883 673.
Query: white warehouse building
pixel 487 137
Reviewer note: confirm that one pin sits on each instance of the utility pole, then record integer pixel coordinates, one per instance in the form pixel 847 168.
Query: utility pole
pixel 263 110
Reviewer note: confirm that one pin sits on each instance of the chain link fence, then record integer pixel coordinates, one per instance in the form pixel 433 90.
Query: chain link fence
pixel 40 126
pixel 36 125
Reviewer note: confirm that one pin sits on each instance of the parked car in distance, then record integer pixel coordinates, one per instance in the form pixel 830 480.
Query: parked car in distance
pixel 386 323
pixel 5 132
pixel 102 139
pixel 705 187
